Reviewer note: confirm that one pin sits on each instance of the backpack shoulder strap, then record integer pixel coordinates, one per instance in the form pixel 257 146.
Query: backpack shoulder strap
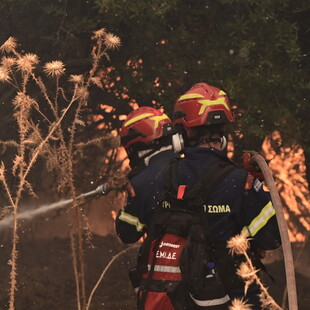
pixel 207 183
pixel 214 174
pixel 171 183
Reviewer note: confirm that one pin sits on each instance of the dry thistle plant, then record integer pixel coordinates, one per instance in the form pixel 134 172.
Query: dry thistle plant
pixel 239 304
pixel 239 245
pixel 52 139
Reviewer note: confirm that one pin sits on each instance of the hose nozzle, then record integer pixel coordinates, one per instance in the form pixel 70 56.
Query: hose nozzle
pixel 102 189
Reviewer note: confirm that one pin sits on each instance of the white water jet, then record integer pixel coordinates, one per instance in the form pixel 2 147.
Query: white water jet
pixel 29 214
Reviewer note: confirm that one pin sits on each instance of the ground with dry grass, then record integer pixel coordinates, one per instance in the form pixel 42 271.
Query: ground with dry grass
pixel 46 279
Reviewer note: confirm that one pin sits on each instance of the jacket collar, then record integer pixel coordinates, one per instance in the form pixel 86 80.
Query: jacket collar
pixel 196 152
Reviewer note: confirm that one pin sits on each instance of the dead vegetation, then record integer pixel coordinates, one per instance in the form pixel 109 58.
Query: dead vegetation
pixel 48 117
pixel 240 245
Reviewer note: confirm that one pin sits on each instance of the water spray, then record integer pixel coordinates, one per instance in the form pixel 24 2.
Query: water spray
pixel 29 214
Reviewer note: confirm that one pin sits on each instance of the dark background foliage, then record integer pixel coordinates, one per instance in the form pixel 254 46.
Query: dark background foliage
pixel 257 51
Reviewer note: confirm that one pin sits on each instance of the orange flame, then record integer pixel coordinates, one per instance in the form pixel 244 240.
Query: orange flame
pixel 289 171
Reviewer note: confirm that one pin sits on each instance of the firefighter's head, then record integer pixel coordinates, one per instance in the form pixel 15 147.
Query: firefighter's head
pixel 145 132
pixel 201 115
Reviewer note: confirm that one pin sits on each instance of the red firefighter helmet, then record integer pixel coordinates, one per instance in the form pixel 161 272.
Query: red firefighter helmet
pixel 203 104
pixel 145 125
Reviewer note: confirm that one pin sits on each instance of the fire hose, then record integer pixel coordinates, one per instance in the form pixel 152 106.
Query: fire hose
pixel 286 245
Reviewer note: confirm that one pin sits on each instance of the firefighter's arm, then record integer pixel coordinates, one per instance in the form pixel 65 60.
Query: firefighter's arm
pixel 128 227
pixel 128 224
pixel 260 221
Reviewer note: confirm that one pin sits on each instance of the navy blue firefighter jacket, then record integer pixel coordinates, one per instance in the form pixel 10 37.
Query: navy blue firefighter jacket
pixel 132 221
pixel 231 208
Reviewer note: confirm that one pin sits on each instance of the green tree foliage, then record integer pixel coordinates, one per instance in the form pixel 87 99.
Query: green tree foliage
pixel 249 48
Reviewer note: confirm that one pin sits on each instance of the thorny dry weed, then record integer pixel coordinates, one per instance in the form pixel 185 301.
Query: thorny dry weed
pixel 239 304
pixel 240 245
pixel 54 140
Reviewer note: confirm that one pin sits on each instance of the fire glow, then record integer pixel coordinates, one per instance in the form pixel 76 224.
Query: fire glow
pixel 289 171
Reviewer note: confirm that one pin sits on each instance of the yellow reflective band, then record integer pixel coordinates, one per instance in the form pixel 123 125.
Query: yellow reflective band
pixel 222 93
pixel 260 221
pixel 157 119
pixel 137 118
pixel 207 103
pixel 132 220
pixel 190 96
pixel 245 231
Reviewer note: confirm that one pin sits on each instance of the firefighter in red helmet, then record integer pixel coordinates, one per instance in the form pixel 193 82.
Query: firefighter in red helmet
pixel 201 202
pixel 202 115
pixel 146 132
pixel 151 142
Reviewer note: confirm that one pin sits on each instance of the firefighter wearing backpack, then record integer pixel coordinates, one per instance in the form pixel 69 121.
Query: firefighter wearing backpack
pixel 150 142
pixel 204 200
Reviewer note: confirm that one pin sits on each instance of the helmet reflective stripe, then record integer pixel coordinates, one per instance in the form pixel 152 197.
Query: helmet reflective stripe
pixel 210 302
pixel 190 96
pixel 259 221
pixel 162 268
pixel 157 119
pixel 143 126
pixel 132 220
pixel 137 118
pixel 207 103
pixel 202 105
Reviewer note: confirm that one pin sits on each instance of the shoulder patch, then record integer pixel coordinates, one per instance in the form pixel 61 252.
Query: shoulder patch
pixel 257 185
